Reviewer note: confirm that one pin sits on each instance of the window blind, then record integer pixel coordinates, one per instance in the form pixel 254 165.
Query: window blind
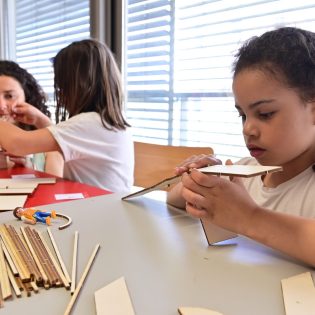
pixel 179 55
pixel 43 27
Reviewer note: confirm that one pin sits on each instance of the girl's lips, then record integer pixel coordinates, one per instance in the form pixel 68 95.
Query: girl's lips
pixel 256 152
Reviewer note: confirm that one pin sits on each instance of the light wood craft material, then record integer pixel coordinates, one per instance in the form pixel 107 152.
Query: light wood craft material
pixel 196 311
pixel 13 282
pixel 299 294
pixel 61 263
pixel 4 278
pixel 82 279
pixel 59 271
pixel 9 259
pixel 26 182
pixel 26 256
pixel 221 170
pixel 114 299
pixel 16 256
pixel 74 262
pixel 44 277
pixel 69 221
pixel 16 191
pixel 214 233
pixel 43 257
pixel 11 202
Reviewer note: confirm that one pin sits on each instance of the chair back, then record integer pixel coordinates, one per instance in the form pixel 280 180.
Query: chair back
pixel 155 162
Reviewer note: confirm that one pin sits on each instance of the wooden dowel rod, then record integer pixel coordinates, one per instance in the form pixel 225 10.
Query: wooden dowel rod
pixel 44 277
pixel 74 262
pixel 82 279
pixel 40 255
pixel 60 274
pixel 62 265
pixel 52 272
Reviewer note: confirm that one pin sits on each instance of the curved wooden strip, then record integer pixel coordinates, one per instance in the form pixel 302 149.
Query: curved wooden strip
pixel 61 227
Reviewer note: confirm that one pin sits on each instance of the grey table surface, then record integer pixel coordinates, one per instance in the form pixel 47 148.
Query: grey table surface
pixel 163 255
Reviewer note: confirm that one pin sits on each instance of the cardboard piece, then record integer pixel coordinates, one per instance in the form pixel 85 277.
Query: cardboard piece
pixel 196 311
pixel 299 294
pixel 114 299
pixel 221 170
pixel 214 233
pixel 16 191
pixel 11 202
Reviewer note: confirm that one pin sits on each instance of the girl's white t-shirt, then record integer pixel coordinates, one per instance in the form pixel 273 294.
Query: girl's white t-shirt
pixel 95 155
pixel 296 196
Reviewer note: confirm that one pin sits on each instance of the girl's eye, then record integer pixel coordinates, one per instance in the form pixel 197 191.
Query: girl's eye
pixel 243 116
pixel 266 116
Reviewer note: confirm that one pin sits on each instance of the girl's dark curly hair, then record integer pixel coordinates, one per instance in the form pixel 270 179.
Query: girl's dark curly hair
pixel 34 94
pixel 287 54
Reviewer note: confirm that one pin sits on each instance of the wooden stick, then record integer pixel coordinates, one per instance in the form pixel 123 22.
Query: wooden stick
pixel 64 217
pixel 60 274
pixel 44 278
pixel 41 256
pixel 27 257
pixel 1 298
pixel 4 278
pixel 78 288
pixel 62 265
pixel 34 286
pixel 9 259
pixel 52 270
pixel 74 262
pixel 23 272
pixel 13 282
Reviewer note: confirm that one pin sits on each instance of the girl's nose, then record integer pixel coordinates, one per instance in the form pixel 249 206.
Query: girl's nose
pixel 249 128
pixel 3 105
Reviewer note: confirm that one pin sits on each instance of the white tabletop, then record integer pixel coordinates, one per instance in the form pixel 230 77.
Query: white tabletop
pixel 164 257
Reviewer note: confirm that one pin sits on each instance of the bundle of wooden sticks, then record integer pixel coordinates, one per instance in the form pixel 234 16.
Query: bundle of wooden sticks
pixel 27 263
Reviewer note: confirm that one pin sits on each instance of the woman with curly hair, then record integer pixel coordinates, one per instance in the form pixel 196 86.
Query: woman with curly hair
pixel 19 89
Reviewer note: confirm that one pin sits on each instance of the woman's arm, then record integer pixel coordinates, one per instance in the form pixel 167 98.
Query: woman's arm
pixel 227 204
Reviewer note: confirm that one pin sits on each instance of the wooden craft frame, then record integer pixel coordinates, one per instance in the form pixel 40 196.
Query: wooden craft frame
pixel 220 170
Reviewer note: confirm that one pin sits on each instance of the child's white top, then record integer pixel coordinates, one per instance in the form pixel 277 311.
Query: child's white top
pixel 295 196
pixel 95 155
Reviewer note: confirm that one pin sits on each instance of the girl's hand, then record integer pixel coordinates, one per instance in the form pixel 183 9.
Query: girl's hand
pixel 224 202
pixel 196 161
pixel 29 115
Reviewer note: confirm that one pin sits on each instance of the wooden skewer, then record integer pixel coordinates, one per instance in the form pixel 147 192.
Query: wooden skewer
pixel 78 288
pixel 62 265
pixel 60 274
pixel 4 278
pixel 74 262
